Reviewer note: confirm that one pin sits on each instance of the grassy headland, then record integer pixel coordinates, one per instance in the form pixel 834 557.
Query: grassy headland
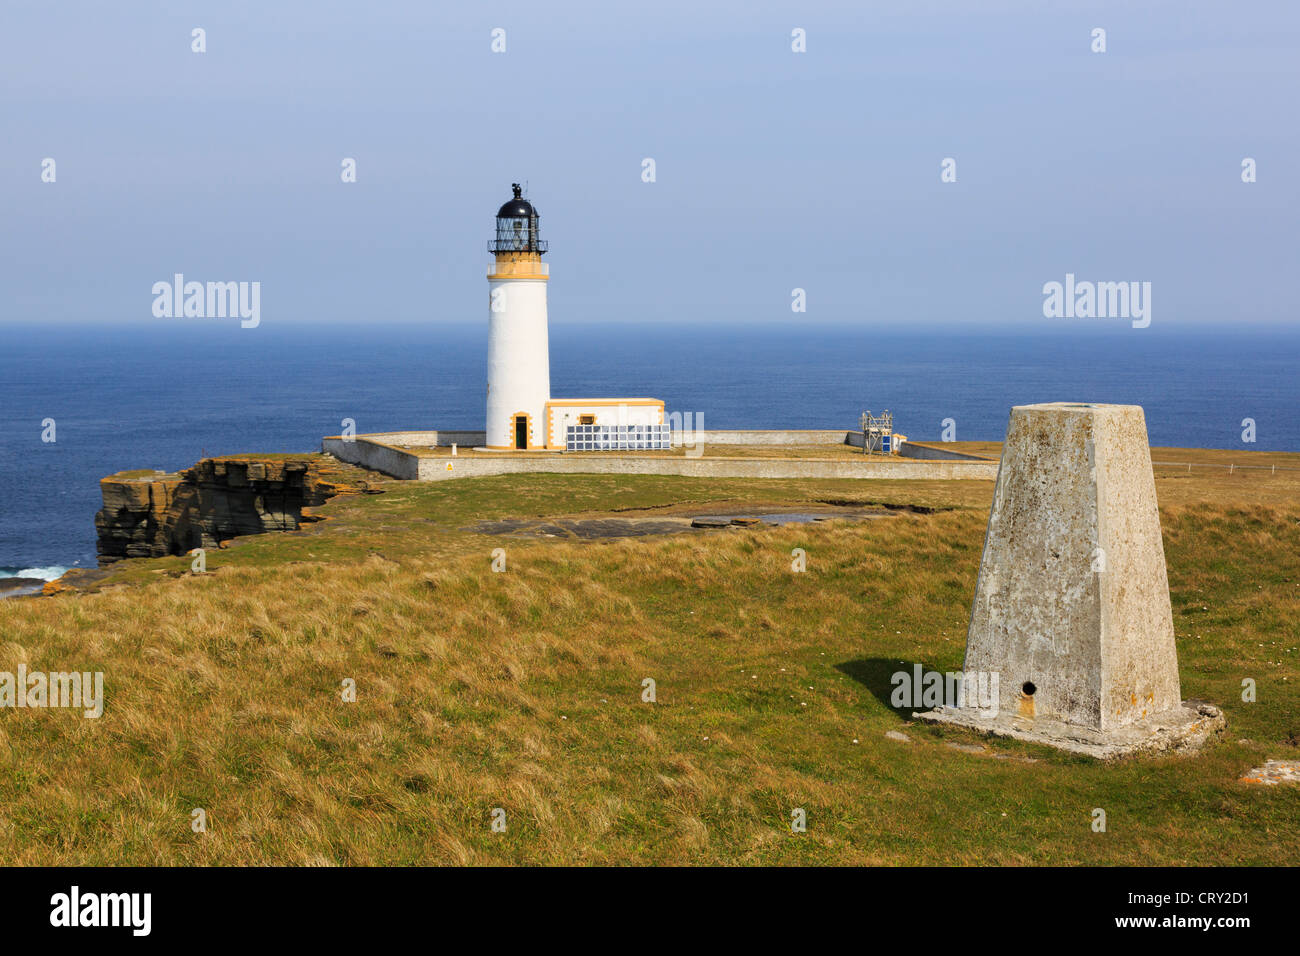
pixel 522 690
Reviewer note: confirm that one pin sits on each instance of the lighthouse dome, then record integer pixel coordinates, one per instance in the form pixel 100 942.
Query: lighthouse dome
pixel 518 207
pixel 517 231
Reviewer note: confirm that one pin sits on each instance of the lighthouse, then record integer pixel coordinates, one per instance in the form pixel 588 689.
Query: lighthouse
pixel 519 364
pixel 521 414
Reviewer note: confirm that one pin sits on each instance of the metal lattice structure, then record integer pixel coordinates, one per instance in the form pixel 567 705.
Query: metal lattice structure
pixel 877 433
pixel 517 228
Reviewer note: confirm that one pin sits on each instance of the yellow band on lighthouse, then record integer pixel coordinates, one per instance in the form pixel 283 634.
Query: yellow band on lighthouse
pixel 525 265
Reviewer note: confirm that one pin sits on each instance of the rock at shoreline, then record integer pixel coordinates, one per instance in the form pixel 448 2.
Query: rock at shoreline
pixel 14 587
pixel 153 514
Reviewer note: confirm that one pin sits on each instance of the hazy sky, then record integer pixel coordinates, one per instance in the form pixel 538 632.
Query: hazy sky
pixel 775 169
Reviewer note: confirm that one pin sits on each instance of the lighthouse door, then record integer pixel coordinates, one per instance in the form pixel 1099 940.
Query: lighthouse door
pixel 521 431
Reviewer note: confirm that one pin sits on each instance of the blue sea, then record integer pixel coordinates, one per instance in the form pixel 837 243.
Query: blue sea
pixel 163 396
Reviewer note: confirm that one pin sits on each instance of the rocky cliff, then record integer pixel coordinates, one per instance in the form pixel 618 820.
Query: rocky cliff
pixel 152 514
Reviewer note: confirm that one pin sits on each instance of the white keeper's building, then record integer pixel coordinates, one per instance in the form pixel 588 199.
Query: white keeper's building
pixel 521 414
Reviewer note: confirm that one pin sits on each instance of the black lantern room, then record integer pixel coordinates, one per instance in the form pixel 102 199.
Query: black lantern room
pixel 517 227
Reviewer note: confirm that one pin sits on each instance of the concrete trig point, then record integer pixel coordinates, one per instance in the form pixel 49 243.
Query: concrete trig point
pixel 1072 604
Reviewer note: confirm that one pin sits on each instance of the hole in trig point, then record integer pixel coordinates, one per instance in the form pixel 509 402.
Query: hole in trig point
pixel 1028 688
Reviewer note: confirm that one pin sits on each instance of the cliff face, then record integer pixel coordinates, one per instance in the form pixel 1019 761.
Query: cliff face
pixel 152 514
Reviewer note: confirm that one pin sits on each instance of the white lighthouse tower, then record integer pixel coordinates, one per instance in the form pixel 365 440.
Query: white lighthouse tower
pixel 521 414
pixel 519 364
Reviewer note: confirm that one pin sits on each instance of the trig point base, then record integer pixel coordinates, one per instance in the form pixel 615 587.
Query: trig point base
pixel 1072 609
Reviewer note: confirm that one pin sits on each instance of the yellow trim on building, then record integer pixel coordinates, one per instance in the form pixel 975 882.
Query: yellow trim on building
pixel 605 401
pixel 528 434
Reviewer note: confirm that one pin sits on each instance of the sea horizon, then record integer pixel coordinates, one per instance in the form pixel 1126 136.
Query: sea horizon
pixel 165 394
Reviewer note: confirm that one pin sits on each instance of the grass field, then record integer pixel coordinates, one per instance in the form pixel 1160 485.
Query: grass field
pixel 522 690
